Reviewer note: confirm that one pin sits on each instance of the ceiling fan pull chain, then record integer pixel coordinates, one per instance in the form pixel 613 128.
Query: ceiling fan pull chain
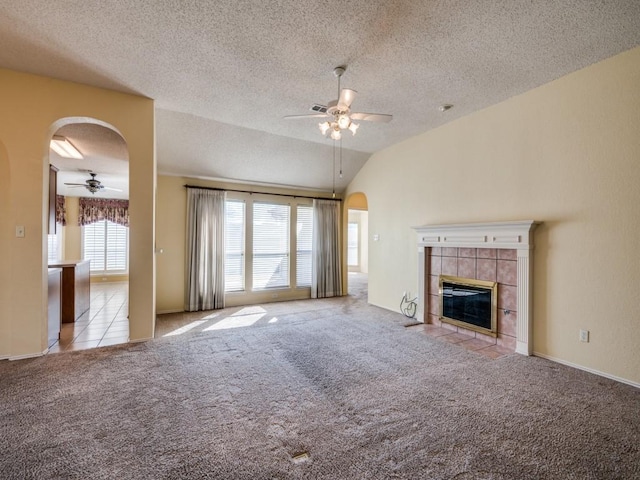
pixel 334 170
pixel 340 157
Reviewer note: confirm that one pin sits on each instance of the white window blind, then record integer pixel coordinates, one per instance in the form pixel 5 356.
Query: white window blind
pixel 352 245
pixel 304 239
pixel 270 245
pixel 234 225
pixel 106 244
pixel 53 247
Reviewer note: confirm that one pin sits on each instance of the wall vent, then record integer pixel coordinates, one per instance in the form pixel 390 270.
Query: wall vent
pixel 318 108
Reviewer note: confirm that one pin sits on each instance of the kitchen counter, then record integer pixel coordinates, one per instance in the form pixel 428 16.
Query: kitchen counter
pixel 76 288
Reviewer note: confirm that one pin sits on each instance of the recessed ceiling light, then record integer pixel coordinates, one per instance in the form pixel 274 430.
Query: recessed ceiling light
pixel 445 107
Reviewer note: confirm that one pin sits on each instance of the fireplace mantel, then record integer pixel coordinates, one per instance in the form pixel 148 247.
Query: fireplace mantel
pixel 514 235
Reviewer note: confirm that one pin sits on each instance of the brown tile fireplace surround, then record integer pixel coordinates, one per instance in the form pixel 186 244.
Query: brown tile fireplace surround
pixel 496 252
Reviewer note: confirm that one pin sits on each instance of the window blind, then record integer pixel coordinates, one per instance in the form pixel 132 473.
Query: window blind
pixel 352 245
pixel 304 241
pixel 234 230
pixel 270 245
pixel 106 244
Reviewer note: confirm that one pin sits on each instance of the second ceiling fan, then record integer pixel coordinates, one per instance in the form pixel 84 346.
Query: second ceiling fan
pixel 92 184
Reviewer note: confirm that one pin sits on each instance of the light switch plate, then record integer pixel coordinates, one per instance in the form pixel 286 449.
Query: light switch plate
pixel 20 231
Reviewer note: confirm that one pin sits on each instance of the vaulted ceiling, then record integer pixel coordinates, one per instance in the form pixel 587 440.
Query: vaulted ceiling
pixel 224 73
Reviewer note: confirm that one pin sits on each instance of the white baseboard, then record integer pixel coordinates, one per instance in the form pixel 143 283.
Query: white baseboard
pixel 28 355
pixel 140 340
pixel 180 310
pixel 590 370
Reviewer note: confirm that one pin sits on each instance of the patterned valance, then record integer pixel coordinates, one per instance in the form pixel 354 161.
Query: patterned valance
pixel 91 210
pixel 60 212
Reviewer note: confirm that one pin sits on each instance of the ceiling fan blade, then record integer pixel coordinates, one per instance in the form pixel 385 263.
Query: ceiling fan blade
pixel 347 96
pixel 76 184
pixel 372 117
pixel 311 115
pixel 112 189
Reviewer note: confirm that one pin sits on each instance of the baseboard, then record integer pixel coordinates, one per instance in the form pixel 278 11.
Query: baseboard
pixel 28 355
pixel 140 340
pixel 586 369
pixel 163 312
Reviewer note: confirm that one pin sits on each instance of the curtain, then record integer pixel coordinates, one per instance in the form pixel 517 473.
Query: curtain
pixel 326 271
pixel 205 250
pixel 91 210
pixel 60 211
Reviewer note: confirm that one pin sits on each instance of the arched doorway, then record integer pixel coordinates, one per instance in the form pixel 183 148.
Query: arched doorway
pixel 92 236
pixel 357 244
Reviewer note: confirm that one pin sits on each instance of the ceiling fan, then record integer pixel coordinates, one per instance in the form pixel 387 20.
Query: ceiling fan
pixel 93 184
pixel 340 116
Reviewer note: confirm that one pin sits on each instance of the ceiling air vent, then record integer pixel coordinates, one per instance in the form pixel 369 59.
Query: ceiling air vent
pixel 318 108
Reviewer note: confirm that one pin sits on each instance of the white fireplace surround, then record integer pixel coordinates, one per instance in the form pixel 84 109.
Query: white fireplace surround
pixel 514 235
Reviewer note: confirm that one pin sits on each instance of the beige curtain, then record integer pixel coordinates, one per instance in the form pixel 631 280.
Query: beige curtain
pixel 205 250
pixel 326 269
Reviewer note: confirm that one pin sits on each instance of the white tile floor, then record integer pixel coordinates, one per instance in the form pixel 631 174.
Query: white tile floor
pixel 105 323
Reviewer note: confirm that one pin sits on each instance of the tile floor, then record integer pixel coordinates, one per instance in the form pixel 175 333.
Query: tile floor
pixel 475 344
pixel 105 323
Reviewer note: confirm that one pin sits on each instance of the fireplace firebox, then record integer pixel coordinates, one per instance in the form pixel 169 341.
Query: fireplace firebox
pixel 469 303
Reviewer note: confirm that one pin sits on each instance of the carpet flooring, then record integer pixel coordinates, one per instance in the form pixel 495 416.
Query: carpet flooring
pixel 326 389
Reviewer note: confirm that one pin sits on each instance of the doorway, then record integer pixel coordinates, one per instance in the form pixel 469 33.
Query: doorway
pixel 357 245
pixel 92 234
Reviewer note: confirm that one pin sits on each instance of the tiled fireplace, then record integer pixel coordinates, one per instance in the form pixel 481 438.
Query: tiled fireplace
pixel 496 252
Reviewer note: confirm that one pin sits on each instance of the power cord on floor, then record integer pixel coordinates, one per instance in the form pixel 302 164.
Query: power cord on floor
pixel 408 307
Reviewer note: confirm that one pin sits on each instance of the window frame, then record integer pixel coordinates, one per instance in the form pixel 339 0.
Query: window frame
pixel 251 294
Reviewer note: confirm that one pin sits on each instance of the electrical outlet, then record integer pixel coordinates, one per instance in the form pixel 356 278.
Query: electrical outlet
pixel 584 336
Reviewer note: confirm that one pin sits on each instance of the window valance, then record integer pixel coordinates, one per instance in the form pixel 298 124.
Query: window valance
pixel 92 210
pixel 60 211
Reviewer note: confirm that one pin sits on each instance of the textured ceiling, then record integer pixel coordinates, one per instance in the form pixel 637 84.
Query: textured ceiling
pixel 224 73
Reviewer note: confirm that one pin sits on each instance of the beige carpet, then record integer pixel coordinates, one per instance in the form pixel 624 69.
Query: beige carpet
pixel 328 389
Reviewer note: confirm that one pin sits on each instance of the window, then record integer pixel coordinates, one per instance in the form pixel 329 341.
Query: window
pixel 270 245
pixel 53 247
pixel 106 244
pixel 234 213
pixel 352 245
pixel 304 239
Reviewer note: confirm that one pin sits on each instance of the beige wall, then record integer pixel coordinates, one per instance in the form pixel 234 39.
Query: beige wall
pixel 33 108
pixel 566 154
pixel 171 234
pixel 72 231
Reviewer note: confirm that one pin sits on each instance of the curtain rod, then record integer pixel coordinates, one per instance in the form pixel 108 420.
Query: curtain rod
pixel 263 193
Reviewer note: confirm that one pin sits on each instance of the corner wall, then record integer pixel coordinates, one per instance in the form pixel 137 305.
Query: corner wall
pixel 31 107
pixel 566 154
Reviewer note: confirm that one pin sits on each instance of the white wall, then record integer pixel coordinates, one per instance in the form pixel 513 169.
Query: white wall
pixel 566 154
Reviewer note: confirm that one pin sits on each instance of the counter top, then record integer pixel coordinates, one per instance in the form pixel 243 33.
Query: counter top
pixel 67 263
